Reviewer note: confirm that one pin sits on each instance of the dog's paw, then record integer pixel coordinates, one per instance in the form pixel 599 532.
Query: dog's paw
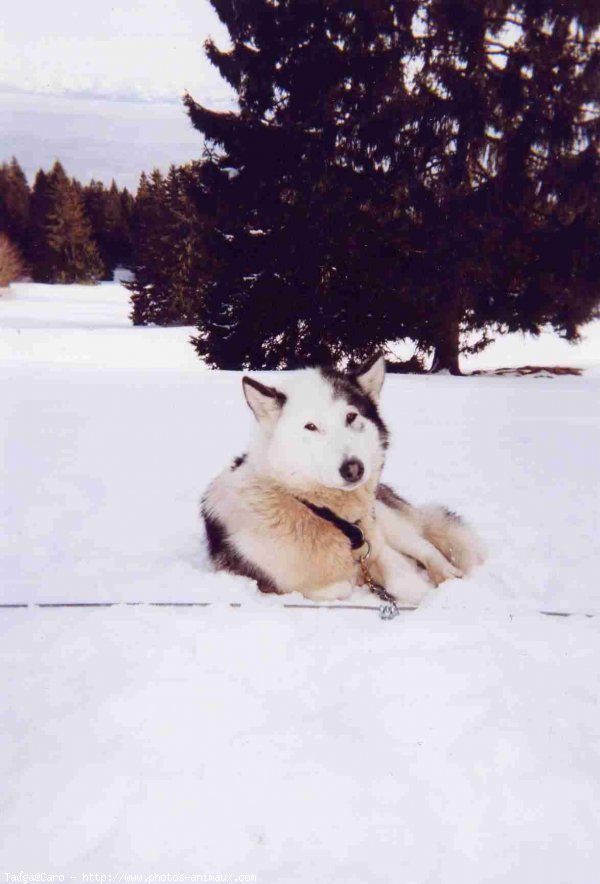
pixel 440 569
pixel 331 593
pixel 408 589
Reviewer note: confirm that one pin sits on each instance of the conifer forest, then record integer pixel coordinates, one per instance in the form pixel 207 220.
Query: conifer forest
pixel 394 169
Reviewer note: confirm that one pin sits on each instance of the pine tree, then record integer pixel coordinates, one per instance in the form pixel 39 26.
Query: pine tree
pixel 168 252
pixel 499 137
pixel 37 249
pixel 148 222
pixel 118 218
pixel 14 202
pixel 94 195
pixel 127 209
pixel 303 263
pixel 72 253
pixel 12 266
pixel 107 211
pixel 188 257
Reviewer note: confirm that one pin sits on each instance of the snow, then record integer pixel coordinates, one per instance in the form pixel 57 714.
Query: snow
pixel 547 349
pixel 459 743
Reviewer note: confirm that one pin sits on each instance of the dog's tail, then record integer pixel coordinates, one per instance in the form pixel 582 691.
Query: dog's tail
pixel 453 537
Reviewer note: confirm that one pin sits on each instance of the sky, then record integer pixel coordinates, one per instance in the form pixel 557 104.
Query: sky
pixel 99 87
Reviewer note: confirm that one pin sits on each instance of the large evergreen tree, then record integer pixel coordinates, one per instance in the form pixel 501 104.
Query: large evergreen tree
pixel 419 167
pixel 304 263
pixel 500 130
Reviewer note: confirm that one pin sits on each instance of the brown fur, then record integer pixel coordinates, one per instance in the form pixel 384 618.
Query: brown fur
pixel 261 527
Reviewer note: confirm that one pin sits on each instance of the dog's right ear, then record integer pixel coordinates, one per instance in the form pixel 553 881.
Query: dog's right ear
pixel 371 375
pixel 265 402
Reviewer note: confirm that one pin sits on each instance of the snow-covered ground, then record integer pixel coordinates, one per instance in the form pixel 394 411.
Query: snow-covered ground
pixel 457 744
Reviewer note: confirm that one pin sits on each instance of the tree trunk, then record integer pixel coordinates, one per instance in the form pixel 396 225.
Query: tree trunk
pixel 445 354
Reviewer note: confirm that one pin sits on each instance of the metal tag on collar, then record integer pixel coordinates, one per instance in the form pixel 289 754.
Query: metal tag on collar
pixel 388 612
pixel 389 609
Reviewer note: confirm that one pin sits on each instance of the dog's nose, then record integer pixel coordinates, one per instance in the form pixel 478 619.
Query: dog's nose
pixel 352 469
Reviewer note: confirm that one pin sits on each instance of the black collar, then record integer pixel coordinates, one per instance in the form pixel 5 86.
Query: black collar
pixel 349 529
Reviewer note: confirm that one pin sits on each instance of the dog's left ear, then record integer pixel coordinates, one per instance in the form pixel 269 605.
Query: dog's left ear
pixel 371 374
pixel 265 402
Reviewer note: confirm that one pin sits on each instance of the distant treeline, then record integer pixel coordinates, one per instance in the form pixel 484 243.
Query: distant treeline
pixel 59 230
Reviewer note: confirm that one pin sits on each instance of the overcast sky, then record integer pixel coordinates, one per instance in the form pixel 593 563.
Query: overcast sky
pixel 80 61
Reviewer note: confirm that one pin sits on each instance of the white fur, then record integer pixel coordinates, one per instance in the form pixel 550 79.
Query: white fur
pixel 287 452
pixel 371 380
pixel 257 504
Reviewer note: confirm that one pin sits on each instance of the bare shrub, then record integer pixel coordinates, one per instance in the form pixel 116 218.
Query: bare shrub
pixel 12 266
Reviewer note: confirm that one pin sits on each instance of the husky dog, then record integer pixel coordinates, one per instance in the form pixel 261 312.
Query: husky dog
pixel 282 513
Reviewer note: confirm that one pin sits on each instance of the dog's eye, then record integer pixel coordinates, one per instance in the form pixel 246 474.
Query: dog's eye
pixel 351 417
pixel 311 427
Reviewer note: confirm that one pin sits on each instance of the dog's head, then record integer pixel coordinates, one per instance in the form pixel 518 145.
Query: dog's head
pixel 322 427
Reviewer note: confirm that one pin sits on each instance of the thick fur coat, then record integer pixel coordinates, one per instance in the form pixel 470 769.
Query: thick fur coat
pixel 320 440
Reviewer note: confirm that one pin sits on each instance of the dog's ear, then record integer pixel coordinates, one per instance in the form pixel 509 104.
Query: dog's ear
pixel 265 402
pixel 370 376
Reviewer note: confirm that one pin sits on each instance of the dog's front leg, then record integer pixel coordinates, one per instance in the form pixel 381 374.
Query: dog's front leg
pixel 399 576
pixel 405 538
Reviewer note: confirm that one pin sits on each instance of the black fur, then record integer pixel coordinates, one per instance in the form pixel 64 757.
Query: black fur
pixel 225 556
pixel 389 497
pixel 454 516
pixel 215 535
pixel 238 461
pixel 347 387
pixel 271 392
